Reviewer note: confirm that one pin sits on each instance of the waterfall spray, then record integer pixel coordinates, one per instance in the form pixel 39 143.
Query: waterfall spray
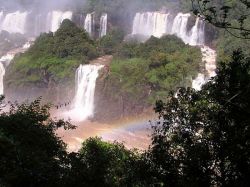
pixel 2 73
pixel 157 24
pixel 57 18
pixel 103 25
pixel 14 22
pixel 17 22
pixel 83 106
pixel 150 23
pixel 4 60
pixel 89 23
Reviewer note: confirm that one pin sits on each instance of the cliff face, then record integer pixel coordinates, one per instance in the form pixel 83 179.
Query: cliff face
pixel 53 93
pixel 107 106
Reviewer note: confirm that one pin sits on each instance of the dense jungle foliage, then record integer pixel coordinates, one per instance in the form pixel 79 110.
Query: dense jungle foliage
pixel 53 57
pixel 201 139
pixel 232 16
pixel 156 66
pixel 146 71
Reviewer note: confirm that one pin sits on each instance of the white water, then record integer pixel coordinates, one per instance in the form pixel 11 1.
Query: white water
pixel 14 22
pixel 83 106
pixel 6 59
pixel 179 27
pixel 2 73
pixel 57 18
pixel 17 22
pixel 158 24
pixel 209 58
pixel 103 25
pixel 150 23
pixel 197 33
pixel 89 23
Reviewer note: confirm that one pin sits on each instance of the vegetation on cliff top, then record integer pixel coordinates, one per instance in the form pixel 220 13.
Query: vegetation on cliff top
pixel 201 139
pixel 146 71
pixel 53 57
pixel 156 66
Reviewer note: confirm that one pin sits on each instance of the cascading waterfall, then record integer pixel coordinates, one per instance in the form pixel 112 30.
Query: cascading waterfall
pixel 150 23
pixel 4 60
pixel 179 27
pixel 1 17
pixel 209 58
pixel 83 106
pixel 157 24
pixel 57 18
pixel 197 33
pixel 103 25
pixel 17 22
pixel 2 73
pixel 89 23
pixel 14 22
pixel 39 25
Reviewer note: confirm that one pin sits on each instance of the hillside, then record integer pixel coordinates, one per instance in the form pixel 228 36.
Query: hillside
pixel 139 74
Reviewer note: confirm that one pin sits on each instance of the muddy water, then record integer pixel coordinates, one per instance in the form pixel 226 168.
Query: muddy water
pixel 134 133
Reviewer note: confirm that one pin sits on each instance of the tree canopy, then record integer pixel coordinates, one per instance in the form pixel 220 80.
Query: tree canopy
pixel 31 154
pixel 203 137
pixel 233 16
pixel 53 57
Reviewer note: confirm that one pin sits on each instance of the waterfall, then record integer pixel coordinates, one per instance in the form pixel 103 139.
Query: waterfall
pixel 179 27
pixel 197 34
pixel 199 81
pixel 17 22
pixel 14 22
pixel 57 18
pixel 150 23
pixel 83 106
pixel 209 58
pixel 158 24
pixel 39 25
pixel 4 60
pixel 103 25
pixel 1 17
pixel 89 23
pixel 2 73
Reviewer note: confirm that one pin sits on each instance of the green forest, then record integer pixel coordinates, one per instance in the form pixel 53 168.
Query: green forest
pixel 160 65
pixel 200 137
pixel 53 57
pixel 209 146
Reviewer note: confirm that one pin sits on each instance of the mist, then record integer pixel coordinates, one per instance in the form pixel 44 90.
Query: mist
pixel 44 5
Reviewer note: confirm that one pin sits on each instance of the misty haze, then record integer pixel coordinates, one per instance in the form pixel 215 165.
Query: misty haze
pixel 124 93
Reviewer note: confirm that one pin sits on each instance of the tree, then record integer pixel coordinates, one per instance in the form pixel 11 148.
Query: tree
pixel 233 16
pixel 30 152
pixel 202 138
pixel 100 163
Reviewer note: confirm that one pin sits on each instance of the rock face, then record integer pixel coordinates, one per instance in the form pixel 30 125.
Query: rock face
pixel 107 107
pixel 54 94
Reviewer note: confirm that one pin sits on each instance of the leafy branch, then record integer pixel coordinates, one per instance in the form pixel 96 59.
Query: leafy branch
pixel 222 15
